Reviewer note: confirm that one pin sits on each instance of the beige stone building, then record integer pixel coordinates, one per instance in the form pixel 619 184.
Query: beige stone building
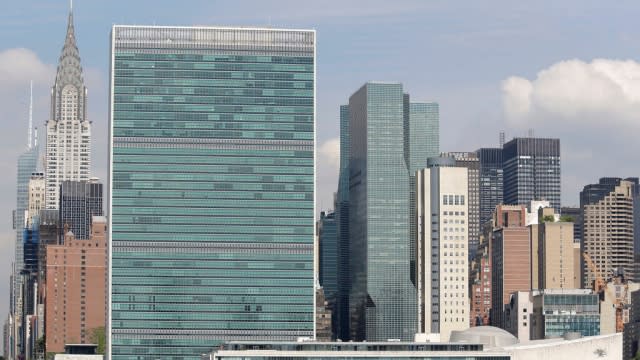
pixel 608 230
pixel 554 253
pixel 75 302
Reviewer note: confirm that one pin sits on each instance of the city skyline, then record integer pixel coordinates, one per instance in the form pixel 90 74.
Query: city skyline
pixel 462 129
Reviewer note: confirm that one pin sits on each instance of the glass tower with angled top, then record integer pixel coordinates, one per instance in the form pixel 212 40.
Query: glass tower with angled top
pixel 212 134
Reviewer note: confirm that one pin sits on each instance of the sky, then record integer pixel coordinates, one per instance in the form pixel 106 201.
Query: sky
pixel 566 69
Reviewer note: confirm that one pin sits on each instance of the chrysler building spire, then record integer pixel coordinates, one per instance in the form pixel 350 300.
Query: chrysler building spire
pixel 68 150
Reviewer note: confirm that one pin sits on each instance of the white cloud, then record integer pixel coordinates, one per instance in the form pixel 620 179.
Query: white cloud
pixel 20 65
pixel 592 107
pixel 329 153
pixel 577 92
pixel 327 172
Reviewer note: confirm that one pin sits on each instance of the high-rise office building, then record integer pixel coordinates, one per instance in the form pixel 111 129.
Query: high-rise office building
pixel 68 141
pixel 76 274
pixel 80 201
pixel 387 135
pixel 211 178
pixel 328 255
pixel 341 310
pixel 471 162
pixel 531 170
pixel 27 165
pixel 442 248
pixel 608 227
pixel 490 182
pixel 510 258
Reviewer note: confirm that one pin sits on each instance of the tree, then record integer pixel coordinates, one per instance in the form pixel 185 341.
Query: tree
pixel 548 218
pixel 98 337
pixel 567 218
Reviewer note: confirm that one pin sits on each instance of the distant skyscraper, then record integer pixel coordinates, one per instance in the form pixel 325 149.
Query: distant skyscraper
pixel 27 164
pixel 491 178
pixel 531 171
pixel 68 142
pixel 442 248
pixel 328 259
pixel 212 188
pixel 608 227
pixel 576 214
pixel 341 310
pixel 390 138
pixel 470 161
pixel 80 201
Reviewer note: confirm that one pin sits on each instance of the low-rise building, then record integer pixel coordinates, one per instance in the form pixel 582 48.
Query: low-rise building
pixel 477 343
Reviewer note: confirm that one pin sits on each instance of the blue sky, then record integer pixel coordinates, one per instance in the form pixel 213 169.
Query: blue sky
pixel 474 58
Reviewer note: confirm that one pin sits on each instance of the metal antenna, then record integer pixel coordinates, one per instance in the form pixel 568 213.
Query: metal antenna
pixel 30 112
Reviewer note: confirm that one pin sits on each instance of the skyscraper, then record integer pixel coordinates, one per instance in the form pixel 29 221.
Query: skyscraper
pixel 608 227
pixel 531 169
pixel 387 135
pixel 80 201
pixel 328 255
pixel 211 174
pixel 68 142
pixel 341 311
pixel 491 178
pixel 471 162
pixel 27 164
pixel 442 247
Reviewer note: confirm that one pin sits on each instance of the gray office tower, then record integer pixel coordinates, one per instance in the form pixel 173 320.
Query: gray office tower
pixel 80 201
pixel 341 309
pixel 387 136
pixel 470 161
pixel 531 171
pixel 491 178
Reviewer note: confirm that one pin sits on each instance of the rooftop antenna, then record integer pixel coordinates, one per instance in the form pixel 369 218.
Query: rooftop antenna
pixel 30 112
pixel 70 5
pixel 35 136
pixel 501 139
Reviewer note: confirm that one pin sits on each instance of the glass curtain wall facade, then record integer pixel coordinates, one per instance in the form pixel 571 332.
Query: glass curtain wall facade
pixel 490 185
pixel 328 255
pixel 382 296
pixel 531 171
pixel 341 312
pixel 212 188
pixel 80 201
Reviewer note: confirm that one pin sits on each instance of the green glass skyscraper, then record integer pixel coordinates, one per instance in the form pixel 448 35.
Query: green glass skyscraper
pixel 211 178
pixel 389 139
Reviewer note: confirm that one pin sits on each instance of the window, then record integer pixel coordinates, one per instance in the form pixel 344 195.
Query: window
pixel 444 200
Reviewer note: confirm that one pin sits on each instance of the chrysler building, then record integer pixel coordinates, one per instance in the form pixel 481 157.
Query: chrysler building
pixel 68 141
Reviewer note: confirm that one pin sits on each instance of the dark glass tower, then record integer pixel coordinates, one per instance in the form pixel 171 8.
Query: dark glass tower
pixel 212 180
pixel 490 182
pixel 531 171
pixel 328 255
pixel 79 202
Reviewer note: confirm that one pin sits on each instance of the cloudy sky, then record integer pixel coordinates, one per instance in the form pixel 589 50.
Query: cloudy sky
pixel 567 69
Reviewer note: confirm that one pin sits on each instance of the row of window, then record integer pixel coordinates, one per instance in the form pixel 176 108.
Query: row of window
pixel 452 199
